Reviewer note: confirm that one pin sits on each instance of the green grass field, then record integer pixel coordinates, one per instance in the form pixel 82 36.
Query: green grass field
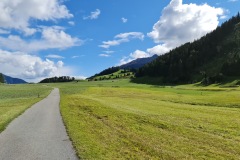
pixel 122 120
pixel 15 99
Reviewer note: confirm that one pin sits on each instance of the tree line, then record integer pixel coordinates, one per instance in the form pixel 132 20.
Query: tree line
pixel 106 72
pixel 1 78
pixel 57 79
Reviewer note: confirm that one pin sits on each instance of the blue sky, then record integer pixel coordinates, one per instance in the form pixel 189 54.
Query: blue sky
pixel 82 37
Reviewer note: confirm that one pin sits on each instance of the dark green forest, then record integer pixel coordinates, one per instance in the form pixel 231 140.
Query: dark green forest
pixel 210 59
pixel 1 78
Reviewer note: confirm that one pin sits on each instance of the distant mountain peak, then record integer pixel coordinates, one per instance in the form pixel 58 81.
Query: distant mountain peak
pixel 138 63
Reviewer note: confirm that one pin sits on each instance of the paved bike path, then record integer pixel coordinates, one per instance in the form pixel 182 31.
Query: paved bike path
pixel 38 134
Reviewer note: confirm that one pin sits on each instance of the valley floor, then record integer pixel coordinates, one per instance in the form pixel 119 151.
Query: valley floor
pixel 122 120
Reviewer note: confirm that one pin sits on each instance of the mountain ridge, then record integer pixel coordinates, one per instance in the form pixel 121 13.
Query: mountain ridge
pixel 131 67
pixel 137 63
pixel 10 80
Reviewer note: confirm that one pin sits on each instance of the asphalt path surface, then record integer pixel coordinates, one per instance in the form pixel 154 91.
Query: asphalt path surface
pixel 38 134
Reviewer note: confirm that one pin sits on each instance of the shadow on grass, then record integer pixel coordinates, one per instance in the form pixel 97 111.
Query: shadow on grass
pixel 155 81
pixel 229 82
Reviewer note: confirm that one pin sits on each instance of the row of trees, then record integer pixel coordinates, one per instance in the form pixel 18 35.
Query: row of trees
pixel 110 71
pixel 122 74
pixel 58 79
pixel 216 53
pixel 106 72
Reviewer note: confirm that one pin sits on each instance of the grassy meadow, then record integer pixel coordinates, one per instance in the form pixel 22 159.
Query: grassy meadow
pixel 15 99
pixel 122 120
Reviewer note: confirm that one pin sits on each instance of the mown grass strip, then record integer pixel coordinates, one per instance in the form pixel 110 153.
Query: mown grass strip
pixel 140 122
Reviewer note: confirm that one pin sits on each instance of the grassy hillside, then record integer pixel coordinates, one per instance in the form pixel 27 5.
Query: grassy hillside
pixel 122 120
pixel 119 74
pixel 211 59
pixel 15 99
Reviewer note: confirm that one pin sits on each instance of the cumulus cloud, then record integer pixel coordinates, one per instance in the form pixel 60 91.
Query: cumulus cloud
pixel 57 38
pixel 159 49
pixel 122 38
pixel 93 15
pixel 16 14
pixel 30 67
pixel 135 55
pixel 178 24
pixel 181 23
pixel 51 38
pixel 139 54
pixel 124 20
pixel 20 38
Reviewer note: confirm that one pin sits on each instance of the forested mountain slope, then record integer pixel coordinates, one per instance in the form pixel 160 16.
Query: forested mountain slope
pixel 210 59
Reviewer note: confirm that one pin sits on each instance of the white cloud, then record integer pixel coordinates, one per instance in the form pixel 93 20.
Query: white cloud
pixel 93 15
pixel 232 0
pixel 108 44
pixel 139 54
pixel 16 14
pixel 51 38
pixel 104 55
pixel 122 38
pixel 73 57
pixel 125 60
pixel 30 67
pixel 71 23
pixel 108 52
pixel 132 35
pixel 181 23
pixel 223 17
pixel 54 56
pixel 21 18
pixel 124 20
pixel 80 77
pixel 135 55
pixel 58 38
pixel 159 49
